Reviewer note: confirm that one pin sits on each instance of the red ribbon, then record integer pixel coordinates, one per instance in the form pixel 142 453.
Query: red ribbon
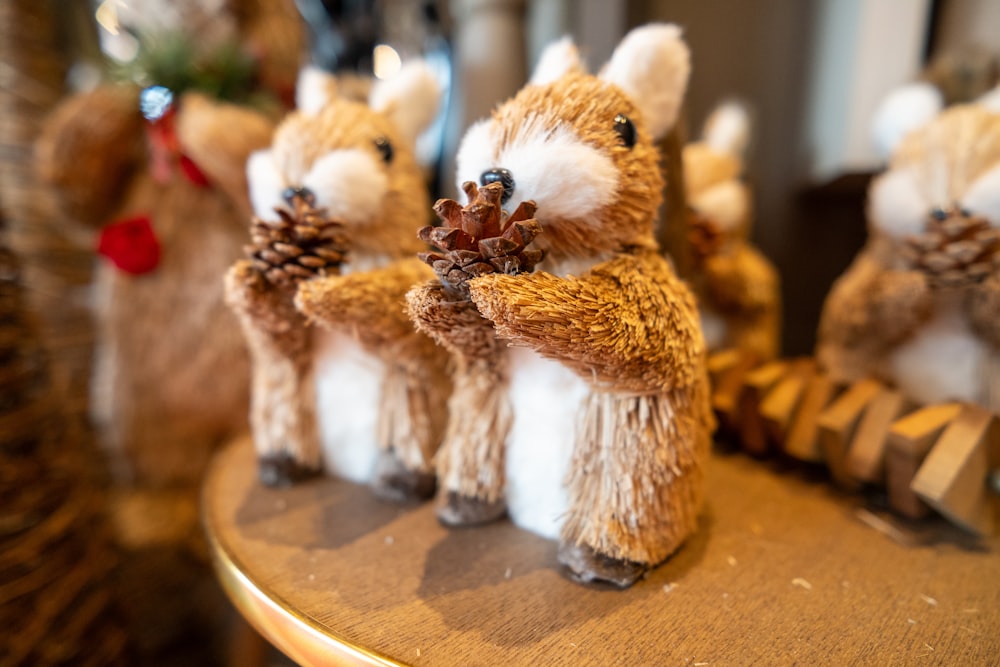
pixel 165 152
pixel 131 245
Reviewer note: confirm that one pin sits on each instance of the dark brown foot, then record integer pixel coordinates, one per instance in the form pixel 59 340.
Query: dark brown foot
pixel 459 511
pixel 399 484
pixel 586 566
pixel 281 470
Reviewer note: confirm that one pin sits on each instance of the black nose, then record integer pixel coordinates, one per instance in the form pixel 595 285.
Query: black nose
pixel 305 194
pixel 504 177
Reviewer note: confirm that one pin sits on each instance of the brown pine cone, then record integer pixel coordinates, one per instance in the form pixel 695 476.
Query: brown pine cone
pixel 298 246
pixel 480 238
pixel 704 236
pixel 956 250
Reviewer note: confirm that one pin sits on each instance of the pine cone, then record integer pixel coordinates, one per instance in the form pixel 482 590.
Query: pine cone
pixel 298 246
pixel 957 249
pixel 704 236
pixel 480 238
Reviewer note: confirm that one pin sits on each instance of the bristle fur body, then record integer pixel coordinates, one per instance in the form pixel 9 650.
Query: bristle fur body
pixel 380 387
pixel 603 421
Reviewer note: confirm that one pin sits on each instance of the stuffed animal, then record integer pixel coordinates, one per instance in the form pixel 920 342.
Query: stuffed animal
pixel 171 373
pixel 360 393
pixel 920 305
pixel 581 395
pixel 737 287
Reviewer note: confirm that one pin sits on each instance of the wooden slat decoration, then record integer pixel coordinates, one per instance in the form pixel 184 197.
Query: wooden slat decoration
pixel 953 478
pixel 726 391
pixel 866 455
pixel 721 361
pixel 778 407
pixel 910 439
pixel 756 384
pixel 803 436
pixel 838 423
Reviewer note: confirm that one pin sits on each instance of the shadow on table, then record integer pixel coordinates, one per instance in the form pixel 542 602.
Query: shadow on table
pixel 346 513
pixel 522 597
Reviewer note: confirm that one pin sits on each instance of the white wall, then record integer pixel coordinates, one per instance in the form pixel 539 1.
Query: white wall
pixel 862 49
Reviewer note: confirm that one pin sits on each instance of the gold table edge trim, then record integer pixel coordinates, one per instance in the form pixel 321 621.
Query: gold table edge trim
pixel 298 636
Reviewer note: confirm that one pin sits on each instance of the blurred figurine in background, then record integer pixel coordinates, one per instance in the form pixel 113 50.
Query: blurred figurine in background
pixel 154 169
pixel 920 306
pixel 737 287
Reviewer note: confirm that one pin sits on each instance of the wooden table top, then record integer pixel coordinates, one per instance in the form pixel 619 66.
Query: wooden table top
pixel 785 570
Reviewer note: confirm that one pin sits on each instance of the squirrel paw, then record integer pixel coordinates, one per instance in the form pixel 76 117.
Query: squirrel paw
pixel 983 307
pixel 584 565
pixel 455 325
pixel 396 483
pixel 900 302
pixel 281 470
pixel 458 511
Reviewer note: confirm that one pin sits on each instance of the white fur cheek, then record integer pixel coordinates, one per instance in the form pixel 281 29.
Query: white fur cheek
pixel 476 154
pixel 725 203
pixel 896 206
pixel 350 184
pixel 983 196
pixel 566 177
pixel 265 184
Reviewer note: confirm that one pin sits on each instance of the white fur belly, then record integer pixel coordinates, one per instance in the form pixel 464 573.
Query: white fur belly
pixel 546 399
pixel 945 360
pixel 348 393
pixel 713 328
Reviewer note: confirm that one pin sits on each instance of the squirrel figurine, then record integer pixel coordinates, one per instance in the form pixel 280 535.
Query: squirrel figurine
pixel 342 381
pixel 581 401
pixel 737 287
pixel 920 305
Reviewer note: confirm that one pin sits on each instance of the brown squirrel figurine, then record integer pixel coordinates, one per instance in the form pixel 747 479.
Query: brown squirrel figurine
pixel 342 381
pixel 737 287
pixel 920 305
pixel 581 401
pixel 171 374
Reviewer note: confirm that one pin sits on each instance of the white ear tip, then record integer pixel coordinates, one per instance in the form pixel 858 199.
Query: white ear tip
pixel 902 111
pixel 411 97
pixel 658 37
pixel 652 65
pixel 557 59
pixel 727 129
pixel 991 100
pixel 656 31
pixel 314 89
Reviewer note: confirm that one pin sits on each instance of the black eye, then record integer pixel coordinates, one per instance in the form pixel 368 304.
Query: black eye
pixel 385 148
pixel 625 130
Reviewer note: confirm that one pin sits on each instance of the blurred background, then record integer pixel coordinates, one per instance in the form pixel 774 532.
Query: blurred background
pixel 134 579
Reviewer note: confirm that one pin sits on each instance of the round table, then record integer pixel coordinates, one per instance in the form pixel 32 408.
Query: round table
pixel 785 569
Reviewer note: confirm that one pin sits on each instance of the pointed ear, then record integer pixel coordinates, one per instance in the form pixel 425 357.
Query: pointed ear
pixel 991 100
pixel 314 90
pixel 727 129
pixel 903 110
pixel 652 65
pixel 557 59
pixel 410 98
